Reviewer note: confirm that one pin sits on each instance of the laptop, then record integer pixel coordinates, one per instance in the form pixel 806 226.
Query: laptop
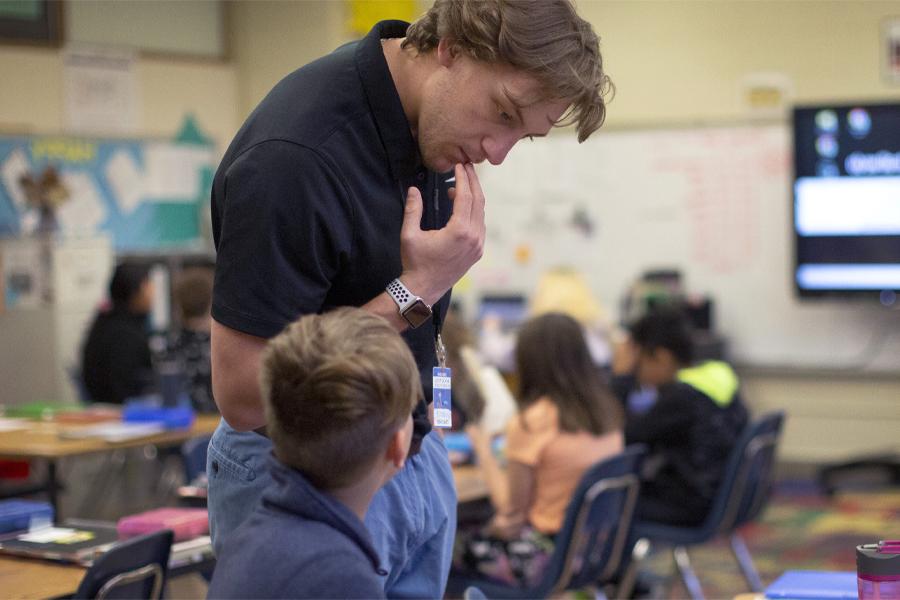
pixel 78 543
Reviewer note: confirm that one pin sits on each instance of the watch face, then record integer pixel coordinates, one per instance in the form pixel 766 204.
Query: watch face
pixel 417 314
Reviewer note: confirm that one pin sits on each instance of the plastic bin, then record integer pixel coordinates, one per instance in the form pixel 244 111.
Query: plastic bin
pixel 20 515
pixel 187 523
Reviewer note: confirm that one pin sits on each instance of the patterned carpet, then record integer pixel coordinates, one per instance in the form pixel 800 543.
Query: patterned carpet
pixel 802 529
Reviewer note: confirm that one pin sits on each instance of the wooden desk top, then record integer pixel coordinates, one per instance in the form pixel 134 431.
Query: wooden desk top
pixel 41 440
pixel 23 578
pixel 470 485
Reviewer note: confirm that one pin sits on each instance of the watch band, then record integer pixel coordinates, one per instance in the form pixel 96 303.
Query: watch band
pixel 401 295
pixel 411 307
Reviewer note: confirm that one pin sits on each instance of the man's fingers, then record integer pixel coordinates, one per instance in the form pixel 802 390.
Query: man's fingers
pixel 412 213
pixel 477 195
pixel 462 198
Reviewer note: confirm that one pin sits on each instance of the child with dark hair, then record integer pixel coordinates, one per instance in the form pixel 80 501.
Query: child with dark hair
pixel 691 427
pixel 116 362
pixel 339 390
pixel 567 422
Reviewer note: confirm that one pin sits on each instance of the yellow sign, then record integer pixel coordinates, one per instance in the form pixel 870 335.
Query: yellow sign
pixel 365 13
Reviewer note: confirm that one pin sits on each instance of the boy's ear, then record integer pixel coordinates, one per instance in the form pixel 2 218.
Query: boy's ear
pixel 398 448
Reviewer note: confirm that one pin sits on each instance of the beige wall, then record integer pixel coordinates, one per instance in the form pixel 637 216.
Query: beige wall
pixel 684 61
pixel 32 98
pixel 271 38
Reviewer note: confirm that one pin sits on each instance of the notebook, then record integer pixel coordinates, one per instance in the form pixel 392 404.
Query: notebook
pixel 72 543
pixel 808 585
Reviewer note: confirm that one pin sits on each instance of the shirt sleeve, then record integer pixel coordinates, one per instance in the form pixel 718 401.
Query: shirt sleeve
pixel 529 433
pixel 286 230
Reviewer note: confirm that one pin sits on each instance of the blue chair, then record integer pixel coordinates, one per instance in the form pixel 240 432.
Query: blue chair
pixel 739 500
pixel 589 546
pixel 135 568
pixel 193 455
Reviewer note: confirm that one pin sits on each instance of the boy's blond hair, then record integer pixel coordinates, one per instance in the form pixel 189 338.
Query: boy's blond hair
pixel 336 387
pixel 544 38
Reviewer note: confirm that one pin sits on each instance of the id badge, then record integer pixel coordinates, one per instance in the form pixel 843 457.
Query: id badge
pixel 440 395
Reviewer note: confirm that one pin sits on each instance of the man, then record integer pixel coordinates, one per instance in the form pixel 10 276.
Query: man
pixel 331 194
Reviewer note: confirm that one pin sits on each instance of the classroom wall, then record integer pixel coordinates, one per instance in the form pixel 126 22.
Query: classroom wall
pixel 673 62
pixel 169 88
pixel 271 38
pixel 684 61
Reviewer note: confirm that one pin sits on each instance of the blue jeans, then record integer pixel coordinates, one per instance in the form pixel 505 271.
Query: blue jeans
pixel 412 519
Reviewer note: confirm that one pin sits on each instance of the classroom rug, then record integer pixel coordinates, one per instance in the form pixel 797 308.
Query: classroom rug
pixel 801 529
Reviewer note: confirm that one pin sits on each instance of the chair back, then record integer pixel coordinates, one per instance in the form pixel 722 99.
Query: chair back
pixel 135 568
pixel 590 544
pixel 193 454
pixel 748 476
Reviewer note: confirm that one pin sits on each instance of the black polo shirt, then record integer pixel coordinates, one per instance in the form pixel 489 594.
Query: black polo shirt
pixel 308 201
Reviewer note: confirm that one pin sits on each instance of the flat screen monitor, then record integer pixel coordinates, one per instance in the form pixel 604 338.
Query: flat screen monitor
pixel 846 216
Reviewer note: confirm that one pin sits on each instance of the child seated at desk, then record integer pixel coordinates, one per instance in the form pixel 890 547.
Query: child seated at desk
pixel 339 390
pixel 567 422
pixel 691 427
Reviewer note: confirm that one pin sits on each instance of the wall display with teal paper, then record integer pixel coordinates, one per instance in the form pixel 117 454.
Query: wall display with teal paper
pixel 146 195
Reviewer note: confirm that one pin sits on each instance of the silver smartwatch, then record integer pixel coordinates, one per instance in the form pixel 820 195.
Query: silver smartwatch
pixel 411 307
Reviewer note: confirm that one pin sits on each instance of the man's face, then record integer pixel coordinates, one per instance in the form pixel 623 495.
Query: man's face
pixel 472 111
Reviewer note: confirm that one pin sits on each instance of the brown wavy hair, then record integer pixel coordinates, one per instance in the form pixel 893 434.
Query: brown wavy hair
pixel 553 361
pixel 545 38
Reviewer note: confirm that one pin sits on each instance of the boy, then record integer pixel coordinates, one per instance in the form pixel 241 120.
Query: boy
pixel 693 424
pixel 339 390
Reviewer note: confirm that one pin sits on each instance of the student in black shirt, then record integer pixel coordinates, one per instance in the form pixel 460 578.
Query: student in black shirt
pixel 115 361
pixel 690 428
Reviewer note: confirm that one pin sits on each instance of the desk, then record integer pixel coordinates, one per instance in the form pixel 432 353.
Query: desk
pixel 33 578
pixel 24 578
pixel 470 485
pixel 41 441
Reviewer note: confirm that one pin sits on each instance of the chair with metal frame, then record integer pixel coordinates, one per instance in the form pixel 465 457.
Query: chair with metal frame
pixel 589 547
pixel 740 499
pixel 135 568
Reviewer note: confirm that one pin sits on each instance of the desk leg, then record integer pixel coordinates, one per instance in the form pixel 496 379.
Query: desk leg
pixel 53 488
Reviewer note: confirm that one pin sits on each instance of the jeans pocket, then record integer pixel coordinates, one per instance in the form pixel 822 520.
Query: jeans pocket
pixel 223 466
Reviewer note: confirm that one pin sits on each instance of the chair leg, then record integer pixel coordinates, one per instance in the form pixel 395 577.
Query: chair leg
pixel 688 577
pixel 745 562
pixel 638 554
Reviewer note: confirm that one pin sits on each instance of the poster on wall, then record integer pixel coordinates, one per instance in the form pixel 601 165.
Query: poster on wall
pixel 147 195
pixel 101 95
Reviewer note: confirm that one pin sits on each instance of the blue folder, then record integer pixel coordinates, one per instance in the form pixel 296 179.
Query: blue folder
pixel 809 585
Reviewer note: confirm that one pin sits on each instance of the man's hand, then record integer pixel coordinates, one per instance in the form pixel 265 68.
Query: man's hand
pixel 433 261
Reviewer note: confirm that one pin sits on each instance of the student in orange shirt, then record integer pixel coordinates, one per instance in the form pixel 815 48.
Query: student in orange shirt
pixel 567 422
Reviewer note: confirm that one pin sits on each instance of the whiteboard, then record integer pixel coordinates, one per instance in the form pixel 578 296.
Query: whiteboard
pixel 713 202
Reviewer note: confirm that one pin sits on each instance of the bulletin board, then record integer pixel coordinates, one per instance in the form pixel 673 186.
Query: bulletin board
pixel 714 202
pixel 147 195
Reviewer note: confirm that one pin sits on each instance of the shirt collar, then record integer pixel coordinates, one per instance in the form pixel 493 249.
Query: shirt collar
pixel 393 127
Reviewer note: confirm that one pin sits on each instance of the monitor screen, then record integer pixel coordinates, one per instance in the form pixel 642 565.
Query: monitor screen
pixel 847 200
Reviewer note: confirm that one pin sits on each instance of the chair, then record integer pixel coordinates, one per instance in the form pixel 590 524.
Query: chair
pixel 739 500
pixel 135 568
pixel 589 546
pixel 193 455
